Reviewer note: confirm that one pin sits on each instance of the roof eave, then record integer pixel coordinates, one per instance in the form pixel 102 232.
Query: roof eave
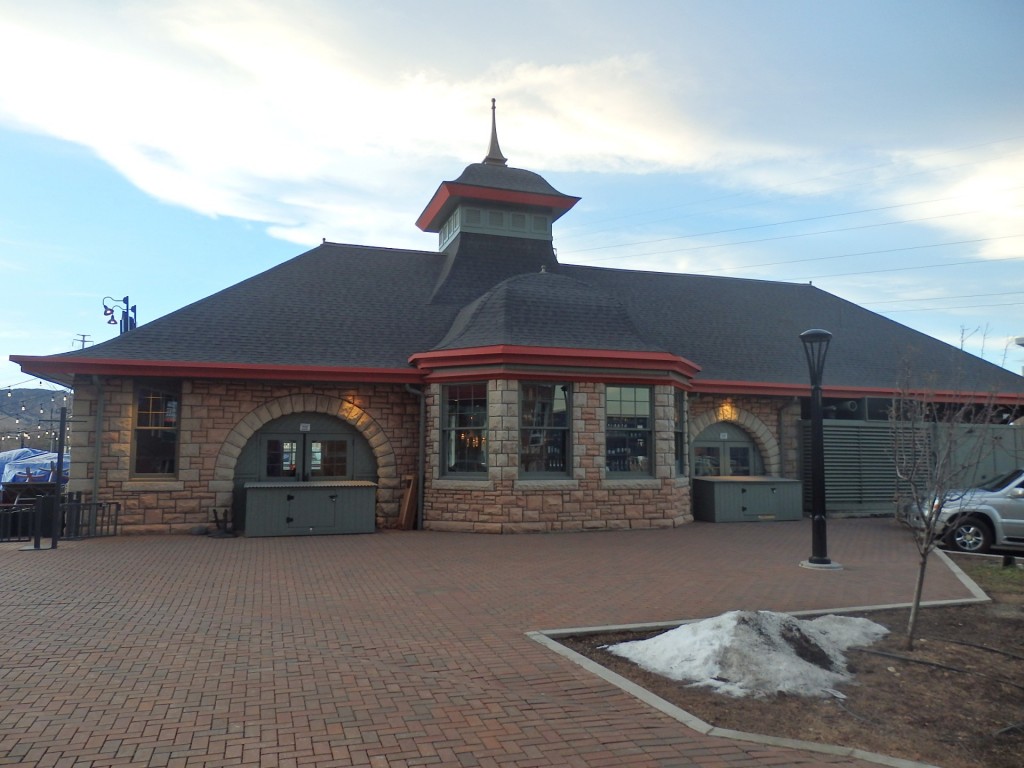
pixel 51 367
pixel 726 387
pixel 451 193
pixel 602 364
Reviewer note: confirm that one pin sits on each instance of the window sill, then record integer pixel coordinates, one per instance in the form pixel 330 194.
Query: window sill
pixel 156 484
pixel 631 482
pixel 541 484
pixel 462 484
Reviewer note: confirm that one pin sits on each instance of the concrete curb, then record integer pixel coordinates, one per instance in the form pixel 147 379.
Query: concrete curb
pixel 547 638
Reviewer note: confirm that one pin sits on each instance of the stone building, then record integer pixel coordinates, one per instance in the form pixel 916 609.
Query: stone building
pixel 481 387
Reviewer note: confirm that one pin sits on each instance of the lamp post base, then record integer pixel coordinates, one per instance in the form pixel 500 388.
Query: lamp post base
pixel 826 566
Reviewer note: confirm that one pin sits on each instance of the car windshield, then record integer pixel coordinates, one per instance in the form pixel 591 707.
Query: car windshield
pixel 1001 482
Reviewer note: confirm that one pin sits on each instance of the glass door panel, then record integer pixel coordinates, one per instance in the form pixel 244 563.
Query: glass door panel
pixel 281 458
pixel 706 460
pixel 328 459
pixel 739 460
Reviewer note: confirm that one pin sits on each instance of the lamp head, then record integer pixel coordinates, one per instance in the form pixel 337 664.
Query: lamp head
pixel 815 343
pixel 815 336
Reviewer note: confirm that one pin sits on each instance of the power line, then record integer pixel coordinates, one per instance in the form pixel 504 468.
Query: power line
pixel 857 253
pixel 795 221
pixel 788 237
pixel 783 185
pixel 960 306
pixel 975 262
pixel 941 298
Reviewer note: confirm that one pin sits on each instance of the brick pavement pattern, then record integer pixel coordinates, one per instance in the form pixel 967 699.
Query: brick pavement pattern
pixel 391 649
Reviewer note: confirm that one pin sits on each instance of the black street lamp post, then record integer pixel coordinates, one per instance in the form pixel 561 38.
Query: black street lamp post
pixel 816 343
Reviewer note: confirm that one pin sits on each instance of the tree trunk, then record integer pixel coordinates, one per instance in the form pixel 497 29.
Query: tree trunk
pixel 916 604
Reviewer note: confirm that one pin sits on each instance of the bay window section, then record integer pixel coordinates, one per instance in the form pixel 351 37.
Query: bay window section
pixel 628 433
pixel 155 436
pixel 544 418
pixel 464 430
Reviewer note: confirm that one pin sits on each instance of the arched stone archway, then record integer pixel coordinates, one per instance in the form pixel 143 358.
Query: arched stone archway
pixel 388 482
pixel 763 437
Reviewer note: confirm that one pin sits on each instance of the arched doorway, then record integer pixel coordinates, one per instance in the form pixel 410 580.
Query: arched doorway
pixel 302 448
pixel 726 449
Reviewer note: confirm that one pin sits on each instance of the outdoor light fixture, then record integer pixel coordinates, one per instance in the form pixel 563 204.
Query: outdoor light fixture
pixel 816 343
pixel 127 317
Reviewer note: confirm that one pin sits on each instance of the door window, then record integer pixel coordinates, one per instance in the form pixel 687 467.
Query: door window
pixel 725 449
pixel 282 458
pixel 306 457
pixel 707 460
pixel 328 459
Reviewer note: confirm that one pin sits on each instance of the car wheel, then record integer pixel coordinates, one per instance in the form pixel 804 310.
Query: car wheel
pixel 970 535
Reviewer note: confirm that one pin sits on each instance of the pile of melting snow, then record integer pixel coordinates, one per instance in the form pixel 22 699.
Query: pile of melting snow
pixel 756 653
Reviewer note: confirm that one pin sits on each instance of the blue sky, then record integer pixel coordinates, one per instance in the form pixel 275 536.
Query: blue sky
pixel 166 150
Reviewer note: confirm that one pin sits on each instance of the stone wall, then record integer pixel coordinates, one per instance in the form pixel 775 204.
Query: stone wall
pixel 770 421
pixel 216 420
pixel 584 499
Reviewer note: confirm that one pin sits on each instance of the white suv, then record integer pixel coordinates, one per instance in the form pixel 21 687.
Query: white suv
pixel 991 515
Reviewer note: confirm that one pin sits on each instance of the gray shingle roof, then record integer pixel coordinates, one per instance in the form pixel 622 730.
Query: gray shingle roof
pixel 352 306
pixel 748 331
pixel 542 309
pixel 502 177
pixel 336 305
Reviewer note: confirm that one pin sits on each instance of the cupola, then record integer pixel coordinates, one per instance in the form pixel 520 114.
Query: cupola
pixel 492 199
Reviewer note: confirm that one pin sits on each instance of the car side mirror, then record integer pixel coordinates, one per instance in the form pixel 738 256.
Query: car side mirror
pixel 1017 493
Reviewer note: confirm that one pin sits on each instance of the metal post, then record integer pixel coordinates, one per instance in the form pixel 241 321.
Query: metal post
pixel 816 343
pixel 58 494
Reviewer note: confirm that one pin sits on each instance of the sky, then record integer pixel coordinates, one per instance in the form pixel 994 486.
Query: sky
pixel 166 150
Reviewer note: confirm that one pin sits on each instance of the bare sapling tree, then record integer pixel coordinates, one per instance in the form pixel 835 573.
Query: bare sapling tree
pixel 939 441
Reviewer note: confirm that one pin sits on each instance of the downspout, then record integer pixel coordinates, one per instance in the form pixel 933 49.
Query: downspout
pixel 97 451
pixel 422 450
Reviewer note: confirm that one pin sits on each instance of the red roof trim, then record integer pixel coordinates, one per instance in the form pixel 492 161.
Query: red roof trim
pixel 450 192
pixel 567 374
pixel 501 356
pixel 712 387
pixel 201 370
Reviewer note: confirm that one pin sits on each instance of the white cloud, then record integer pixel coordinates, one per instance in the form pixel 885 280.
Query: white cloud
pixel 215 108
pixel 325 120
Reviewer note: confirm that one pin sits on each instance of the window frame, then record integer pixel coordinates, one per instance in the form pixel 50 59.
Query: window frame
pixel 170 393
pixel 554 464
pixel 625 428
pixel 448 430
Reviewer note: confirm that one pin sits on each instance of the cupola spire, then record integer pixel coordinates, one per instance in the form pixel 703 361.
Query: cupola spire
pixel 494 156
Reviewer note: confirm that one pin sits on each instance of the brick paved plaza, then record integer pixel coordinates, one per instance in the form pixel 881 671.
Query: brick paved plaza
pixel 391 649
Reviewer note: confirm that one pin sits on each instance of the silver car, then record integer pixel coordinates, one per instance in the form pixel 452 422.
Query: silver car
pixel 991 515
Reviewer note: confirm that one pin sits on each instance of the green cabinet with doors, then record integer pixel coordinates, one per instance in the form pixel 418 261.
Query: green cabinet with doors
pixel 310 508
pixel 740 499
